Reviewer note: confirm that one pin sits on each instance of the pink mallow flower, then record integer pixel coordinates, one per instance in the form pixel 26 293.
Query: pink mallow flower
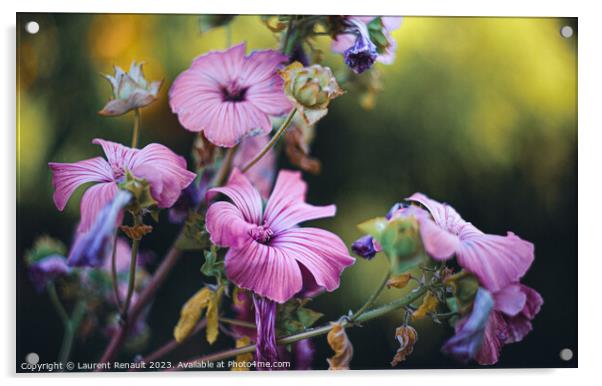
pixel 268 253
pixel 497 261
pixel 163 169
pixel 227 95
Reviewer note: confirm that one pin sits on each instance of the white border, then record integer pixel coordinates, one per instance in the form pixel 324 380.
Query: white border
pixel 590 151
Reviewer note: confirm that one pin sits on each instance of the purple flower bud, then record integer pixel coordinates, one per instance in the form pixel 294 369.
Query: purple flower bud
pixel 265 320
pixel 91 248
pixel 362 54
pixel 364 247
pixel 465 345
pixel 47 269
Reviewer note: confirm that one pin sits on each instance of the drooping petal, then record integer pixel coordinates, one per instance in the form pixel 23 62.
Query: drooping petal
pixel 491 347
pixel 342 42
pixel 510 300
pixel 533 303
pixel 263 172
pixel 496 260
pixel 265 320
pixel 265 270
pixel 520 325
pixel 164 170
pixel 94 199
pixel 286 206
pixel 242 193
pixel 90 249
pixel 438 243
pixel 66 177
pixel 117 154
pixel 470 332
pixel 226 225
pixel 323 253
pixel 47 269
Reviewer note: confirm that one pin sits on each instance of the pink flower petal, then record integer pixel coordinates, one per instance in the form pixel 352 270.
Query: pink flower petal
pixel 534 302
pixel 342 42
pixel 246 198
pixel 265 270
pixel 510 300
pixel 94 199
pixel 164 170
pixel 286 206
pixel 438 243
pixel 66 177
pixel 117 154
pixel 260 67
pixel 269 97
pixel 496 260
pixel 444 215
pixel 221 65
pixel 323 253
pixel 226 225
pixel 391 22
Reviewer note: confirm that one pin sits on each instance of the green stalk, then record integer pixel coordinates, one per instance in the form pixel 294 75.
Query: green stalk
pixel 272 142
pixel 136 129
pixel 132 274
pixel 372 298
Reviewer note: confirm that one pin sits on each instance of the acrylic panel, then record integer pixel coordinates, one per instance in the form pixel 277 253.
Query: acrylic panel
pixel 293 192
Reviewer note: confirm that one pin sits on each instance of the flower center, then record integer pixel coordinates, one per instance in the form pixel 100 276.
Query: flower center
pixel 118 172
pixel 233 92
pixel 261 234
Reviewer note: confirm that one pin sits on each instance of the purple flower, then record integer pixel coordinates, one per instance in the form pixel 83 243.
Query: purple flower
pixel 266 247
pixel 364 247
pixel 91 248
pixel 268 253
pixel 362 54
pixel 386 52
pixel 497 261
pixel 163 169
pixel 227 95
pixel 48 269
pixel 304 354
pixel 265 320
pixel 467 342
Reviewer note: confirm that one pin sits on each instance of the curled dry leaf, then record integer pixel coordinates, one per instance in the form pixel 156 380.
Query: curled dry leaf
pixel 247 357
pixel 429 304
pixel 342 347
pixel 191 313
pixel 407 337
pixel 399 281
pixel 297 151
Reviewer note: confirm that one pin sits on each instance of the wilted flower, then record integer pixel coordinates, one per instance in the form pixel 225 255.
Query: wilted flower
pixel 91 248
pixel 47 269
pixel 163 169
pixel 267 250
pixel 130 91
pixel 310 89
pixel 378 33
pixel 497 261
pixel 342 347
pixel 364 247
pixel 297 146
pixel 227 95
pixel 407 337
pixel 467 342
pixel 362 54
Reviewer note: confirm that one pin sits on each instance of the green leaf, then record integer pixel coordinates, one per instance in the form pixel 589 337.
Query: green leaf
pixel 374 227
pixel 213 267
pixel 294 317
pixel 400 240
pixel 195 236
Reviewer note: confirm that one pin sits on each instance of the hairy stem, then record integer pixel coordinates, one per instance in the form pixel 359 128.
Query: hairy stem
pixel 313 332
pixel 272 142
pixel 372 298
pixel 136 129
pixel 224 170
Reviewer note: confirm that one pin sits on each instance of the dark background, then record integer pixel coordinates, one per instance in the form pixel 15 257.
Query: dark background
pixel 477 112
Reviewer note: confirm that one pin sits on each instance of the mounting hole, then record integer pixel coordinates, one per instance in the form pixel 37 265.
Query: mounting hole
pixel 566 354
pixel 566 31
pixel 32 358
pixel 32 27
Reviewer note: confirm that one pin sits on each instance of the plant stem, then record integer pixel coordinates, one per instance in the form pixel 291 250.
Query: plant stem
pixel 136 129
pixel 56 302
pixel 372 298
pixel 223 172
pixel 114 270
pixel 366 316
pixel 70 324
pixel 273 141
pixel 132 274
pixel 236 322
